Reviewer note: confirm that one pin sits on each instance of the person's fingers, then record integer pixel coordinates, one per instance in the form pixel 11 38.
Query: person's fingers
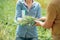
pixel 37 23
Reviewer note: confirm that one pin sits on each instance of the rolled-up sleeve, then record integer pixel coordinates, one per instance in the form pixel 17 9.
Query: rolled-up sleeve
pixel 18 10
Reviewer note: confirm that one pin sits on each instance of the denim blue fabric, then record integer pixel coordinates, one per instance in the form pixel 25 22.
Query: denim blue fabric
pixel 34 11
pixel 21 38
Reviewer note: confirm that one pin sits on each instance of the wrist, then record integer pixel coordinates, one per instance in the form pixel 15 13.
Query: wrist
pixel 19 19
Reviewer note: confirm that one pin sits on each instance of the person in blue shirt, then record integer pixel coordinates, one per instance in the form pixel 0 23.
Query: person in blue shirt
pixel 33 9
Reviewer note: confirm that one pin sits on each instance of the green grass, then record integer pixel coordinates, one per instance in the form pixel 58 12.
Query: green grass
pixel 7 25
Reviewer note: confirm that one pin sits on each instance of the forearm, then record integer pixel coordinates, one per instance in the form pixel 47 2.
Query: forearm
pixel 46 25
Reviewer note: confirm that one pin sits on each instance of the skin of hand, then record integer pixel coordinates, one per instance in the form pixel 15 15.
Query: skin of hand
pixel 38 21
pixel 42 18
pixel 19 19
pixel 44 24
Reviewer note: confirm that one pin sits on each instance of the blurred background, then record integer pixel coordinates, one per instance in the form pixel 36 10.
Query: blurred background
pixel 8 26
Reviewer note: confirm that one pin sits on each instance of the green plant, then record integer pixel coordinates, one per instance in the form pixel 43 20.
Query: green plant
pixel 27 20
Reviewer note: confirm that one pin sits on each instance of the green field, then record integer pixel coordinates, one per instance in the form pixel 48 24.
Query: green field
pixel 8 26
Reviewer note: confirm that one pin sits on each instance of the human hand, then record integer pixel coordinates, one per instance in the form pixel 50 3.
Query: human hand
pixel 42 19
pixel 19 19
pixel 37 23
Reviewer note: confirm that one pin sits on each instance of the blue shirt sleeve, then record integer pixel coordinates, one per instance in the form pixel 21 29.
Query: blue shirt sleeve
pixel 18 10
pixel 39 11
